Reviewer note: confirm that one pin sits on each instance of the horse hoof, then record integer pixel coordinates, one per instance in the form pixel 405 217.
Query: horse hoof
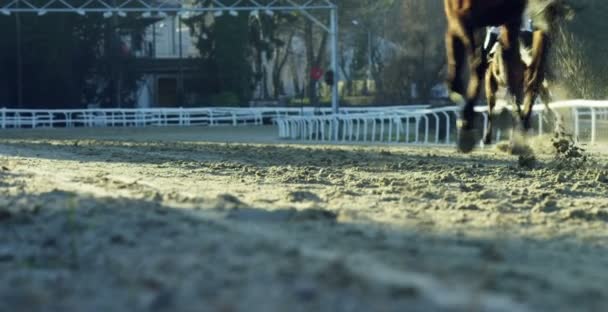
pixel 519 146
pixel 519 149
pixel 457 98
pixel 487 140
pixel 466 141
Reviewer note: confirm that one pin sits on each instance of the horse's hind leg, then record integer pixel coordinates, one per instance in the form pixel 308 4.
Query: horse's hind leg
pixel 491 87
pixel 545 95
pixel 526 115
pixel 535 73
pixel 532 89
pixel 534 78
pixel 512 58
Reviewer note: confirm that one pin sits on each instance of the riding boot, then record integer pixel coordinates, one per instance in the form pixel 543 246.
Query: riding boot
pixel 526 39
pixel 491 40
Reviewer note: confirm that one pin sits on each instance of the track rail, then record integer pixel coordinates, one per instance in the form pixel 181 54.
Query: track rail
pixel 425 126
pixel 138 117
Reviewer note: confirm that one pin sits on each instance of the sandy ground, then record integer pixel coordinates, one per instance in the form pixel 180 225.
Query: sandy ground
pixel 169 219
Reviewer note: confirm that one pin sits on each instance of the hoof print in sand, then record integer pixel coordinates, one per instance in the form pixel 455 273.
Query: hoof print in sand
pixel 585 215
pixel 303 196
pixel 228 201
pixel 282 215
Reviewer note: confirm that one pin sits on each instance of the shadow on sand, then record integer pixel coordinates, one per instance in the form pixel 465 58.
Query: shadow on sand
pixel 63 251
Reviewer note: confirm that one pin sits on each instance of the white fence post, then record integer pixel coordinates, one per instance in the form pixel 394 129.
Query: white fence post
pixel 593 126
pixel 370 121
pixel 576 125
pixel 485 123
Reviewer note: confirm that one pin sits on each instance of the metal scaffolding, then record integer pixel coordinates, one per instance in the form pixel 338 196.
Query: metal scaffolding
pixel 148 8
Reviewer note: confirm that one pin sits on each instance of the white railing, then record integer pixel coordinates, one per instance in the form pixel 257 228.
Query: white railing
pixel 433 125
pixel 407 126
pixel 35 118
pixel 417 124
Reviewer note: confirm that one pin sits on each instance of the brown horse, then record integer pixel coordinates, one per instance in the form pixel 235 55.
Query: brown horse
pixel 548 15
pixel 465 18
pixel 531 68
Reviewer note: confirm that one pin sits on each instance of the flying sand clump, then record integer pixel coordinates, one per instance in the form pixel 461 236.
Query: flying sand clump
pixel 566 148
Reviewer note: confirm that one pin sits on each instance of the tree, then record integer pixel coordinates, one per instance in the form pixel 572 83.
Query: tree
pixel 233 55
pixel 315 58
pixel 281 57
pixel 271 39
pixel 225 58
pixel 363 35
pixel 418 32
pixel 53 63
pixel 64 60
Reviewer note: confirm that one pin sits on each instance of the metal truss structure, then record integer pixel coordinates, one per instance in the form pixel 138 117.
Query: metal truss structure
pixel 148 8
pixel 157 6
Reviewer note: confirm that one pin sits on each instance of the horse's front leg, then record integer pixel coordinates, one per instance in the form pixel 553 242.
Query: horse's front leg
pixel 526 114
pixel 468 136
pixel 491 86
pixel 455 50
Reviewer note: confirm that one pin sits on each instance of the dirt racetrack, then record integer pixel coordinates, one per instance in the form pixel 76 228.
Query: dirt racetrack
pixel 170 219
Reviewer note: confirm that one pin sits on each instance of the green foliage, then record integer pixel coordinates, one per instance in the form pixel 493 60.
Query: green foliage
pixel 71 60
pixel 402 39
pixel 233 55
pixel 65 62
pixel 225 56
pixel 54 60
pixel 233 50
pixel 225 99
